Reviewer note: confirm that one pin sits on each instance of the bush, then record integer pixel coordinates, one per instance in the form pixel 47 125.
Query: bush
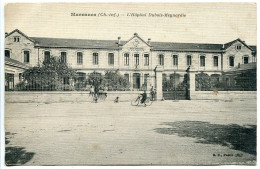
pixel 21 86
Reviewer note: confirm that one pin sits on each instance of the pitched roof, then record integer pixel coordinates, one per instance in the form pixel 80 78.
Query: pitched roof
pixel 75 43
pixel 253 47
pixel 15 63
pixel 227 45
pixel 17 30
pixel 186 46
pixel 136 35
pixel 112 44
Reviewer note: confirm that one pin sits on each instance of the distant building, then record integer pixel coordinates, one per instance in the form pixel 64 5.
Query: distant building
pixel 135 58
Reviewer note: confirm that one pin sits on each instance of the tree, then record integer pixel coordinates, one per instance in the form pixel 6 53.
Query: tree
pixel 203 82
pixel 115 81
pixel 111 79
pixel 51 75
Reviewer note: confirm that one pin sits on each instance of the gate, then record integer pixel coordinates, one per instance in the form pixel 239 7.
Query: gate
pixel 176 87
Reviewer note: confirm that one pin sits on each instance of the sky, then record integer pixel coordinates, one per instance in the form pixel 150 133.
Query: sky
pixel 204 22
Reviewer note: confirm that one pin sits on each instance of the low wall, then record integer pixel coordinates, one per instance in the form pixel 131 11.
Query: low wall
pixel 223 95
pixel 75 96
pixel 64 96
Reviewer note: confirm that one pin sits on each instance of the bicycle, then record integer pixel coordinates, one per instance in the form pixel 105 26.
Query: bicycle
pixel 135 102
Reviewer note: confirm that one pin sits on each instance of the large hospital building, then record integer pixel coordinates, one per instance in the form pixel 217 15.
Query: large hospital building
pixel 135 58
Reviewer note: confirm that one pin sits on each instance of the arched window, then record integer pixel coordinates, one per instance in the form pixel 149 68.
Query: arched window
pixel 79 58
pixel 231 61
pixel 146 59
pixel 136 59
pixel 202 61
pixel 95 58
pixel 47 56
pixel 189 60
pixel 161 59
pixel 63 57
pixel 111 58
pixel 126 58
pixel 175 60
pixel 215 61
pixel 26 56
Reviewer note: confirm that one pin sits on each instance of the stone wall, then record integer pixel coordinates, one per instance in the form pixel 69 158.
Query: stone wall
pixel 55 97
pixel 74 96
pixel 224 95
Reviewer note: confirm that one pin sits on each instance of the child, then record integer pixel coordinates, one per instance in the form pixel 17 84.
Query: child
pixel 116 100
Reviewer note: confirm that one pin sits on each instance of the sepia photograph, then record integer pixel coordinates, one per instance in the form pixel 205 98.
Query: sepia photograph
pixel 130 84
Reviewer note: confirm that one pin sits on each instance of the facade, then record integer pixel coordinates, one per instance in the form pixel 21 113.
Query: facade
pixel 135 58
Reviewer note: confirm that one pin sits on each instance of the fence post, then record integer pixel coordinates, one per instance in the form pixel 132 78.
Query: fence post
pixel 192 84
pixel 158 82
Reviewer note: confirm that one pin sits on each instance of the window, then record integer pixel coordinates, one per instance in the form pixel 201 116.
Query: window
pixel 111 58
pixel 95 58
pixel 26 56
pixel 245 59
pixel 189 60
pixel 146 59
pixel 47 56
pixel 16 39
pixel 63 57
pixel 161 59
pixel 202 61
pixel 215 61
pixel 231 61
pixel 136 57
pixel 126 58
pixel 126 76
pixel 79 58
pixel 175 60
pixel 7 53
pixel 238 47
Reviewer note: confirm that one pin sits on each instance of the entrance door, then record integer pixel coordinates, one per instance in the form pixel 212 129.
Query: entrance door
pixel 136 80
pixel 9 81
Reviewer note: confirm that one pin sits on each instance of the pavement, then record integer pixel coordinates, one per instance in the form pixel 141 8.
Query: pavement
pixel 196 132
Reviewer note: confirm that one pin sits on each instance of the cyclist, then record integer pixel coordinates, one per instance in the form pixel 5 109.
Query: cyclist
pixel 144 97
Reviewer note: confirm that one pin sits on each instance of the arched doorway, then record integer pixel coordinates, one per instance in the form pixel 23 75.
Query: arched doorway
pixel 136 80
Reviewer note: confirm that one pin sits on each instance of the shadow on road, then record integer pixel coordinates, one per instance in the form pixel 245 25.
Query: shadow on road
pixel 233 136
pixel 15 155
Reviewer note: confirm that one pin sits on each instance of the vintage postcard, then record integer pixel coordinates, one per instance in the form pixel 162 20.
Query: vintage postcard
pixel 130 84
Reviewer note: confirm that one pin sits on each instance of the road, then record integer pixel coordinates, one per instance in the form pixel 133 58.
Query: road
pixel 196 132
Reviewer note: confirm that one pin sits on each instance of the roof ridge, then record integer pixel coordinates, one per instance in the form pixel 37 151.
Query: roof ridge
pixel 188 43
pixel 72 38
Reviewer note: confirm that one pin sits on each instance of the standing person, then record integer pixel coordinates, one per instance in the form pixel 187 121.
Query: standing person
pixel 152 93
pixel 91 91
pixel 144 97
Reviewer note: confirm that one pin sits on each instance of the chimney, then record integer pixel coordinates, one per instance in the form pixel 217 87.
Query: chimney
pixel 149 41
pixel 6 33
pixel 223 46
pixel 135 34
pixel 118 42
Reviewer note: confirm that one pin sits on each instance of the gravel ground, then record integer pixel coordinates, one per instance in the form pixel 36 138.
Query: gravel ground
pixel 193 132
